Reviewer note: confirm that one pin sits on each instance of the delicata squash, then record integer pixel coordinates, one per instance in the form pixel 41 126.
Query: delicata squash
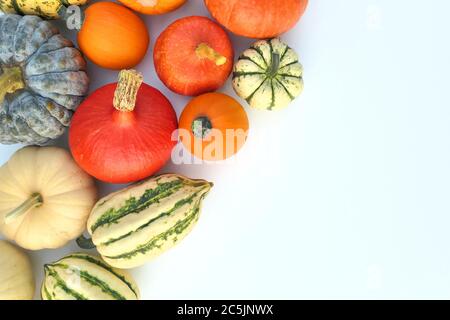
pixel 136 224
pixel 80 276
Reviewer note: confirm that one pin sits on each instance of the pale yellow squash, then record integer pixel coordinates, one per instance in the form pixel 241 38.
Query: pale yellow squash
pixel 16 276
pixel 45 198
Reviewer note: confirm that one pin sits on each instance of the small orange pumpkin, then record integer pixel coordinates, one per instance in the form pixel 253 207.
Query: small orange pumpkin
pixel 153 6
pixel 213 126
pixel 112 36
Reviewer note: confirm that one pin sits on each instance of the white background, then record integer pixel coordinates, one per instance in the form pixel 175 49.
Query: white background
pixel 345 194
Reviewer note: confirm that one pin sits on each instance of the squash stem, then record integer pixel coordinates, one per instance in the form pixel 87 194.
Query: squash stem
pixel 10 81
pixel 201 127
pixel 85 243
pixel 204 51
pixel 34 201
pixel 127 88
pixel 273 71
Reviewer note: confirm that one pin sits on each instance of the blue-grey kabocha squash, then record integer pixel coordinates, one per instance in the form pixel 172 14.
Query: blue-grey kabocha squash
pixel 42 80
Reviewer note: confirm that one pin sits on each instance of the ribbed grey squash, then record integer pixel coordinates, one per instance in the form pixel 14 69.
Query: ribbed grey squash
pixel 42 80
pixel 268 75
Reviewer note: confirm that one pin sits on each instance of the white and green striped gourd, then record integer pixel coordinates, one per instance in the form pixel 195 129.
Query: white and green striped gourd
pixel 80 276
pixel 268 75
pixel 136 224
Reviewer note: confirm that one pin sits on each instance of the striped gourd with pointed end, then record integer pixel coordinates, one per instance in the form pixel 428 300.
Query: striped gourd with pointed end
pixel 136 224
pixel 268 75
pixel 80 276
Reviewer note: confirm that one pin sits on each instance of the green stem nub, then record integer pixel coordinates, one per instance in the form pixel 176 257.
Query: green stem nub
pixel 10 81
pixel 33 202
pixel 273 71
pixel 85 243
pixel 201 127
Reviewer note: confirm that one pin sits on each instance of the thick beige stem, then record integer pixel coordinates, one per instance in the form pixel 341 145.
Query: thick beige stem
pixel 127 89
pixel 10 81
pixel 34 201
pixel 204 51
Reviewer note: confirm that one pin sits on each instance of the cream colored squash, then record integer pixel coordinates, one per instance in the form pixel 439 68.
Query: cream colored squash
pixel 80 276
pixel 45 198
pixel 16 276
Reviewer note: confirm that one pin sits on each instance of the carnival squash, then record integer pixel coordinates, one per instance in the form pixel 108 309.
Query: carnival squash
pixel 153 6
pixel 45 198
pixel 112 36
pixel 47 9
pixel 268 75
pixel 16 274
pixel 193 55
pixel 213 126
pixel 42 80
pixel 257 18
pixel 136 224
pixel 123 132
pixel 80 276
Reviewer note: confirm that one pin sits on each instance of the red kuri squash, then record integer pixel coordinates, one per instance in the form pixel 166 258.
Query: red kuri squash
pixel 257 18
pixel 123 131
pixel 193 55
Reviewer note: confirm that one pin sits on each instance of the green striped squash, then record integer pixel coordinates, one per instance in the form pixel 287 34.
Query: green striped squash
pixel 136 224
pixel 80 276
pixel 268 75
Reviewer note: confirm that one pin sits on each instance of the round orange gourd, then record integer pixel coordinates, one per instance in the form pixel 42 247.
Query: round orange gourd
pixel 213 126
pixel 153 6
pixel 112 36
pixel 257 18
pixel 193 55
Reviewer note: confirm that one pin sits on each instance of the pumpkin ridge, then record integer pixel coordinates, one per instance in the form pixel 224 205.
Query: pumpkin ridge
pixel 249 98
pixel 93 280
pixel 112 216
pixel 262 56
pixel 31 129
pixel 99 263
pixel 289 64
pixel 178 228
pixel 40 50
pixel 37 117
pixel 240 74
pixel 167 213
pixel 285 75
pixel 286 49
pixel 287 91
pixel 47 294
pixel 78 69
pixel 61 284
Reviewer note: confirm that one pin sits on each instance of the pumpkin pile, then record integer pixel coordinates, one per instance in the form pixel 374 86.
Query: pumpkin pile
pixel 123 132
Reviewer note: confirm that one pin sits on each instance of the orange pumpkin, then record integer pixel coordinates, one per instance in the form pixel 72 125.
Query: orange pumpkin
pixel 112 36
pixel 193 55
pixel 257 18
pixel 153 6
pixel 213 126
